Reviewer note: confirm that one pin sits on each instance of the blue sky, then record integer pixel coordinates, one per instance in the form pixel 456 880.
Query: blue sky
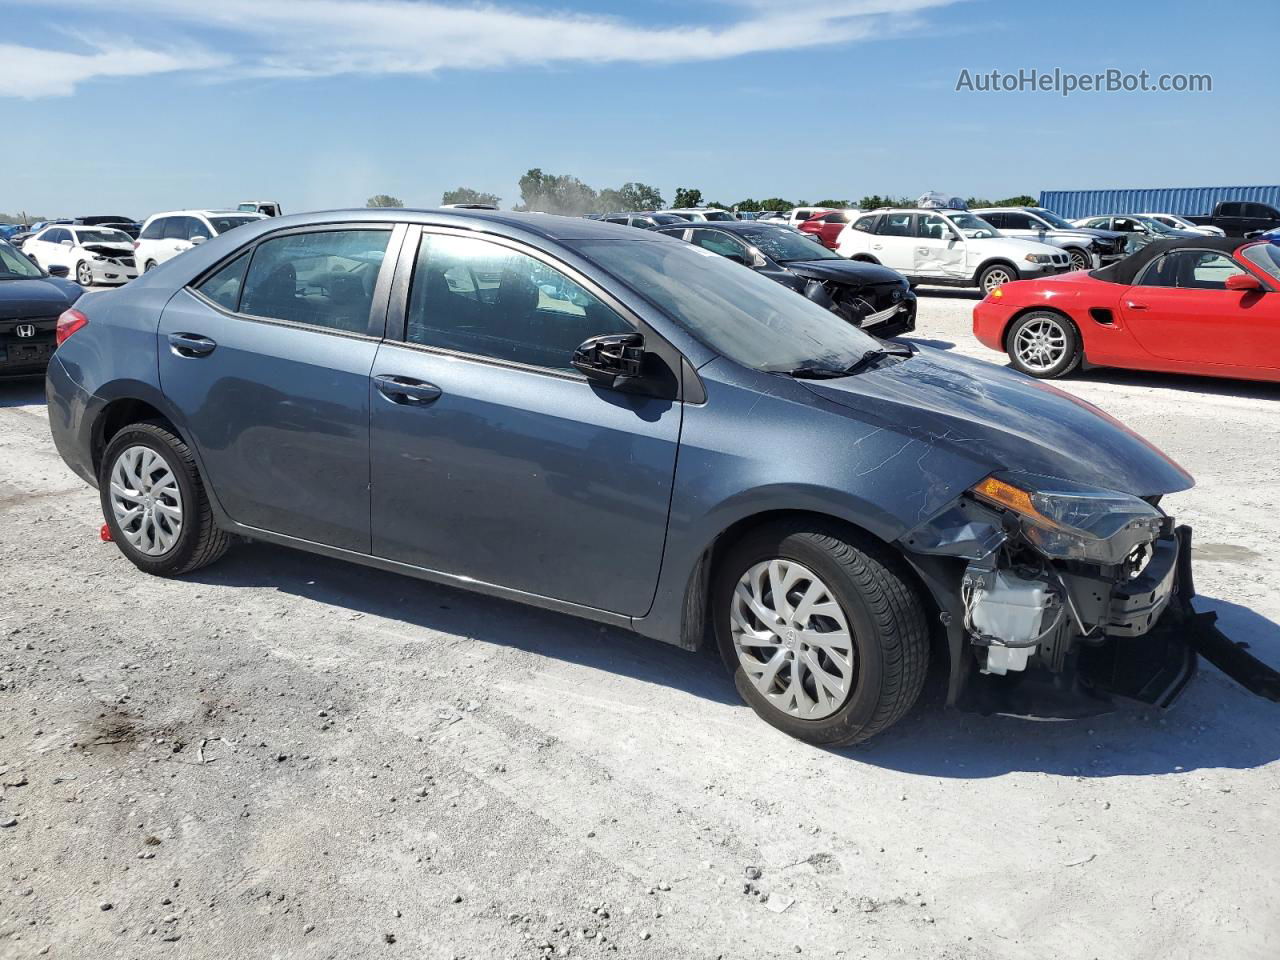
pixel 135 106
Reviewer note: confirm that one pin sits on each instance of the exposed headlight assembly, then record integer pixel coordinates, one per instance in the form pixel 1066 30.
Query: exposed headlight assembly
pixel 1068 521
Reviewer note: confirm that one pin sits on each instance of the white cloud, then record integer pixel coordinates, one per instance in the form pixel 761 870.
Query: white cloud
pixel 34 72
pixel 327 37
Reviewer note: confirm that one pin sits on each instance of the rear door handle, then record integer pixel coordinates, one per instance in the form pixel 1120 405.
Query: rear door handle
pixel 191 345
pixel 1134 305
pixel 406 389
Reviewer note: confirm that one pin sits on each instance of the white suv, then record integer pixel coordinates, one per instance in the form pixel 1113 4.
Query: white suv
pixel 165 235
pixel 700 214
pixel 947 247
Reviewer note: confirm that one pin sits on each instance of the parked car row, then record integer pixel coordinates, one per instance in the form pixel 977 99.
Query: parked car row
pixel 837 512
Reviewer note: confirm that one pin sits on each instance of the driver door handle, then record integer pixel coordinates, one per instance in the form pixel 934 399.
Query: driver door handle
pixel 191 345
pixel 1134 305
pixel 406 389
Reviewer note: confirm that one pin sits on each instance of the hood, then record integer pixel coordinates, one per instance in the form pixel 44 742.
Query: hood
pixel 29 299
pixel 110 249
pixel 844 271
pixel 1005 420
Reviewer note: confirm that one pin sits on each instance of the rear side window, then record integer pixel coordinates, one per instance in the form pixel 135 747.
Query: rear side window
pixel 717 242
pixel 324 279
pixel 154 230
pixel 865 224
pixel 482 298
pixel 223 288
pixel 896 225
pixel 175 228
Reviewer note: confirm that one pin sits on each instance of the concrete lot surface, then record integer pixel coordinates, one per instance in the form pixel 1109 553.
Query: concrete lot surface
pixel 286 756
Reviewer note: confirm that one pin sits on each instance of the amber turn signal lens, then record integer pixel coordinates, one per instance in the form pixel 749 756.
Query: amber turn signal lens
pixel 1014 498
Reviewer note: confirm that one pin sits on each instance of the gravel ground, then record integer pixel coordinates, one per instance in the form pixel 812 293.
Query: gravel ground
pixel 285 756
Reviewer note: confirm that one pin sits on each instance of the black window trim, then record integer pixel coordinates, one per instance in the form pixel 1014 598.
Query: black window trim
pixel 377 329
pixel 398 307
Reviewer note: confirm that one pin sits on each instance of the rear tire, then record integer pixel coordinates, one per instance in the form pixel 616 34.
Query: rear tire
pixel 155 504
pixel 1044 344
pixel 859 598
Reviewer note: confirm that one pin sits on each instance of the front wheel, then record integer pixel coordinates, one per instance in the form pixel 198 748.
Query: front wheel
pixel 148 266
pixel 1080 260
pixel 155 504
pixel 84 274
pixel 822 630
pixel 1044 344
pixel 996 275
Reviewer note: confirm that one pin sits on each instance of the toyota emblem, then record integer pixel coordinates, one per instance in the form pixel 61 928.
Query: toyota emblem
pixel 25 329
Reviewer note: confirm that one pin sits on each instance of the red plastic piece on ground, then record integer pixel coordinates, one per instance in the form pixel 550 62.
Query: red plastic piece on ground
pixel 105 533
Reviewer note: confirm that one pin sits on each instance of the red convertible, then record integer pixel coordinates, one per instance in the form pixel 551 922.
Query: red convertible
pixel 1203 305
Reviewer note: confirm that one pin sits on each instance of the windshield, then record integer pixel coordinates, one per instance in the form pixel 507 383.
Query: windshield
pixel 14 266
pixel 972 226
pixel 1052 218
pixel 1155 225
pixel 718 215
pixel 785 245
pixel 1266 256
pixel 103 236
pixel 223 224
pixel 748 318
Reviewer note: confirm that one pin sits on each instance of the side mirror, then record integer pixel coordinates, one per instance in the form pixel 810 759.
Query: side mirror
pixel 60 270
pixel 198 239
pixel 610 357
pixel 66 243
pixel 1242 282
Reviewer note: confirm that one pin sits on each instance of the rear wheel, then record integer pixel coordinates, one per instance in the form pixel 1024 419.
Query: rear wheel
pixel 155 504
pixel 1044 344
pixel 822 630
pixel 84 274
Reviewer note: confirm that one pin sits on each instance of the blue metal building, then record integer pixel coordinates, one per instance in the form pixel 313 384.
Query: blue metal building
pixel 1185 201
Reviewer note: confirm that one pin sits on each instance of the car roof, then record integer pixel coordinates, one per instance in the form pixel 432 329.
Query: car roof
pixel 1126 270
pixel 733 226
pixel 206 213
pixel 544 225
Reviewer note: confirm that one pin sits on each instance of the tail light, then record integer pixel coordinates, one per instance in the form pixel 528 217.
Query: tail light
pixel 68 323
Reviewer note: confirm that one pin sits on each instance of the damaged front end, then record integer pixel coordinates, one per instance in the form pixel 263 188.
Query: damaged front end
pixel 1057 596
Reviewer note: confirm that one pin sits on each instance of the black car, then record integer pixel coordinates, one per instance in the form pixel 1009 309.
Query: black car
pixel 131 227
pixel 645 221
pixel 867 295
pixel 30 303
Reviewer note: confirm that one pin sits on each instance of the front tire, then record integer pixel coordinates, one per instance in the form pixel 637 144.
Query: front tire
pixel 822 630
pixel 84 274
pixel 155 504
pixel 148 266
pixel 1044 344
pixel 996 275
pixel 1080 260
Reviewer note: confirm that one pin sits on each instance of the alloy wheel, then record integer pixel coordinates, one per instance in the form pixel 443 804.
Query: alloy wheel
pixel 995 277
pixel 1040 344
pixel 792 639
pixel 146 500
pixel 1080 261
pixel 84 276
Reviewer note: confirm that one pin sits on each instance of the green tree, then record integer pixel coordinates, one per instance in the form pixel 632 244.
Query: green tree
pixel 467 195
pixel 556 193
pixel 630 196
pixel 384 200
pixel 687 197
pixel 776 203
pixel 1022 200
pixel 834 204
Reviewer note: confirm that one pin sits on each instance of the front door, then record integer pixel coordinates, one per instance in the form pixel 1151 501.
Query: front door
pixel 268 362
pixel 1180 309
pixel 938 251
pixel 493 458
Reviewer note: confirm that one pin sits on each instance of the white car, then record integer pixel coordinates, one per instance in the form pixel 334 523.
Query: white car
pixel 91 254
pixel 700 214
pixel 165 235
pixel 951 248
pixel 798 215
pixel 1182 223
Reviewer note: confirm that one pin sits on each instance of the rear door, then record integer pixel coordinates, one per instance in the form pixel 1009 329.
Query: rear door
pixel 1181 310
pixel 267 358
pixel 894 241
pixel 500 462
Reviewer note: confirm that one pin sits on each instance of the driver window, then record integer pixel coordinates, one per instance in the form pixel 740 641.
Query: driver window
pixel 483 298
pixel 933 227
pixel 895 225
pixel 720 243
pixel 1190 270
pixel 1127 225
